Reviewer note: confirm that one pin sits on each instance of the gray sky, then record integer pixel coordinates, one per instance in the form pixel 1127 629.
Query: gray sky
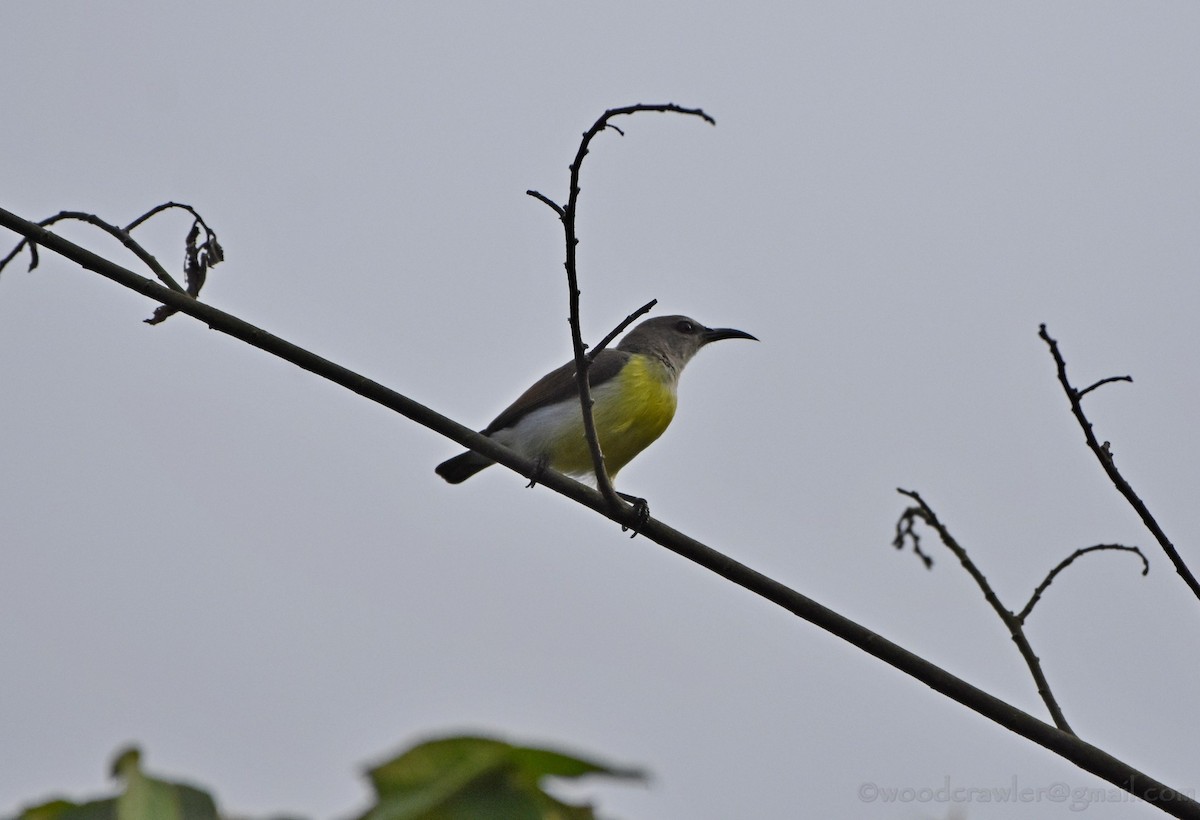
pixel 257 576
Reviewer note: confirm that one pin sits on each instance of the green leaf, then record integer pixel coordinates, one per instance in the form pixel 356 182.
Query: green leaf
pixel 66 810
pixel 144 798
pixel 477 778
pixel 148 798
pixel 546 762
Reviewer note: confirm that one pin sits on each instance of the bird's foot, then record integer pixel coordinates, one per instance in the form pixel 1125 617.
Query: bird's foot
pixel 641 513
pixel 539 468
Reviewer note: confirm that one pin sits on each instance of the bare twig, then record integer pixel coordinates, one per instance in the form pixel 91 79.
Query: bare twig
pixel 631 515
pixel 157 209
pixel 1104 456
pixel 540 197
pixel 616 331
pixel 1084 755
pixel 1066 562
pixel 199 256
pixel 1015 629
pixel 11 255
pixel 1103 382
pixel 121 234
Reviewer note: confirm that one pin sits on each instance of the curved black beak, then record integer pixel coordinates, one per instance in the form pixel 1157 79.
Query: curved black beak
pixel 716 334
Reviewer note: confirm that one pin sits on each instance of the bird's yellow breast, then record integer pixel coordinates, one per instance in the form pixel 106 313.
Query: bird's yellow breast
pixel 631 410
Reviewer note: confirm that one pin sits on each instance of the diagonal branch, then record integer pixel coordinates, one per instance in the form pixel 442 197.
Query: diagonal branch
pixel 540 197
pixel 1015 629
pixel 1105 458
pixel 616 331
pixel 1084 755
pixel 1066 562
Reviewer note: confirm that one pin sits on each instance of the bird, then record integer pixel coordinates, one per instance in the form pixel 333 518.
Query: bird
pixel 633 389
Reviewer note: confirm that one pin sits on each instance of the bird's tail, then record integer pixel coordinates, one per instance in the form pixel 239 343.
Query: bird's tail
pixel 460 468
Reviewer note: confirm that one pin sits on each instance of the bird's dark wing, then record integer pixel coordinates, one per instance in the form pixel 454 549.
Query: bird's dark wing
pixel 559 385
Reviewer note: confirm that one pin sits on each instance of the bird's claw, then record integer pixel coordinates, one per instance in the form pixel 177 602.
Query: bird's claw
pixel 641 513
pixel 539 468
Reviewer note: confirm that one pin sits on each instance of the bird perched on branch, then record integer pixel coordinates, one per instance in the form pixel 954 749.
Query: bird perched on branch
pixel 634 395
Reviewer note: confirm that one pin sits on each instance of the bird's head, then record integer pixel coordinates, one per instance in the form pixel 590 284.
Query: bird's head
pixel 675 339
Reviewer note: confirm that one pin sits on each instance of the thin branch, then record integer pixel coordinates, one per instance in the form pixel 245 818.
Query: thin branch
pixel 157 209
pixel 121 234
pixel 540 197
pixel 1104 456
pixel 1015 629
pixel 1103 382
pixel 1084 755
pixel 11 255
pixel 1066 562
pixel 616 331
pixel 582 361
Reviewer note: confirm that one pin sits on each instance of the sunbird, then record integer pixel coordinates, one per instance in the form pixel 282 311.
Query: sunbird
pixel 634 397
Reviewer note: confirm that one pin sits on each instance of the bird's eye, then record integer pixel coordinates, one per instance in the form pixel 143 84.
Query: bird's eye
pixel 685 326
